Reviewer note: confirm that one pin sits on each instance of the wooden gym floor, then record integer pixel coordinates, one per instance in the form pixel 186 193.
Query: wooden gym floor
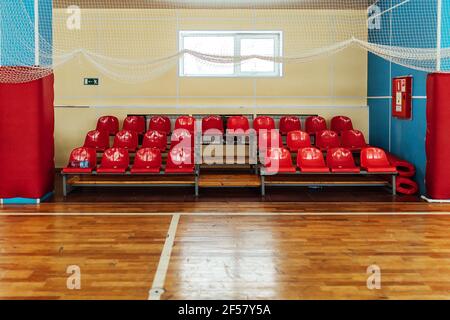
pixel 228 244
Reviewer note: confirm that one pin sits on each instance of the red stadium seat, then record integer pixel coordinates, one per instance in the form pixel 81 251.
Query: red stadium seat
pixel 126 139
pixel 341 123
pixel 180 160
pixel 311 160
pixel 263 123
pixel 181 136
pixel 155 139
pixel 114 160
pixel 212 124
pixel 327 139
pixel 278 160
pixel 353 140
pixel 134 123
pixel 297 140
pixel 315 124
pixel 269 139
pixel 375 160
pixel 290 123
pixel 147 160
pixel 341 160
pixel 110 124
pixel 99 140
pixel 185 122
pixel 238 123
pixel 82 160
pixel 160 123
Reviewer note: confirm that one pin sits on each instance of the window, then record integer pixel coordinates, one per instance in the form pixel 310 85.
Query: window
pixel 231 43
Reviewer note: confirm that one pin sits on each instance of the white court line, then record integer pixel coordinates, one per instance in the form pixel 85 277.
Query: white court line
pixel 157 288
pixel 268 214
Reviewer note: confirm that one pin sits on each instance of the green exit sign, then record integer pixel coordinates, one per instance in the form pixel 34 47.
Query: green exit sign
pixel 91 81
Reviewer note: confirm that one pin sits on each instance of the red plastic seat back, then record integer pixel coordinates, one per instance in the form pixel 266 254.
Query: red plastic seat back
pixel 290 123
pixel 126 139
pixel 263 123
pixel 374 158
pixel 341 123
pixel 310 158
pixel 181 137
pixel 269 139
pixel 315 124
pixel 212 123
pixel 160 123
pixel 353 139
pixel 115 158
pixel 155 139
pixel 134 123
pixel 83 158
pixel 238 123
pixel 340 158
pixel 110 124
pixel 185 122
pixel 327 139
pixel 297 140
pixel 147 158
pixel 180 160
pixel 279 159
pixel 99 140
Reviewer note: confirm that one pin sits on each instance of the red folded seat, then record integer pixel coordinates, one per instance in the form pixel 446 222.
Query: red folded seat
pixel 161 124
pixel 185 122
pixel 114 160
pixel 327 139
pixel 290 123
pixel 134 123
pixel 238 123
pixel 147 160
pixel 278 160
pixel 126 139
pixel 341 123
pixel 353 140
pixel 81 160
pixel 180 160
pixel 297 140
pixel 110 124
pixel 183 137
pixel 213 124
pixel 155 139
pixel 311 160
pixel 315 124
pixel 263 123
pixel 375 160
pixel 269 139
pixel 96 139
pixel 406 186
pixel 340 160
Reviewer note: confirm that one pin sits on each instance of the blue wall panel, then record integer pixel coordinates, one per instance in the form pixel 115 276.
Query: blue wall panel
pixel 17 43
pixel 406 138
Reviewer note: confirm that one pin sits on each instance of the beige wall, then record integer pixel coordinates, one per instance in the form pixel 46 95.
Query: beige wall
pixel 328 86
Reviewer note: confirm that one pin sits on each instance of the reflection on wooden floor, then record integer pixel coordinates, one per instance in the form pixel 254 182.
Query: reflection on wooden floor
pixel 219 257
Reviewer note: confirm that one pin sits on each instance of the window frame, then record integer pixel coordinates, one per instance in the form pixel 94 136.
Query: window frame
pixel 238 36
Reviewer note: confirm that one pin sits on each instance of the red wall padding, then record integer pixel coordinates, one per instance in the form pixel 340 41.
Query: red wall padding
pixel 26 139
pixel 438 136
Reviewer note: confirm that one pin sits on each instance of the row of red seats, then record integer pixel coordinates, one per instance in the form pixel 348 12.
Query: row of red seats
pixel 353 140
pixel 117 161
pixel 127 139
pixel 339 160
pixel 313 124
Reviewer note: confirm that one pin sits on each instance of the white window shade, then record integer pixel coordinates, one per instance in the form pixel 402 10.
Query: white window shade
pixel 231 44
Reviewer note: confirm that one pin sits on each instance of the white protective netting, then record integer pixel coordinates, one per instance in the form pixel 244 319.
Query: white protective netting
pixel 137 40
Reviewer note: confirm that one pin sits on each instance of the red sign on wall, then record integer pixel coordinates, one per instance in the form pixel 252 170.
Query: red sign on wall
pixel 402 97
